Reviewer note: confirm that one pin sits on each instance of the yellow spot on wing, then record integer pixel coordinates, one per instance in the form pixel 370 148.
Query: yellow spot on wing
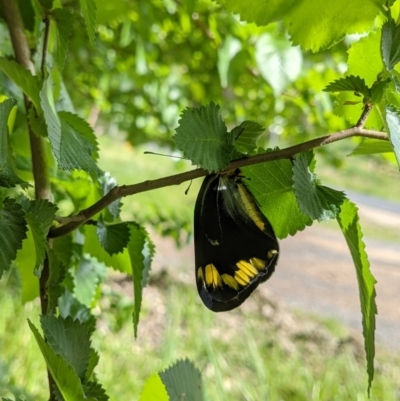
pixel 212 276
pixel 200 275
pixel 230 281
pixel 250 207
pixel 258 263
pixel 247 268
pixel 242 278
pixel 272 253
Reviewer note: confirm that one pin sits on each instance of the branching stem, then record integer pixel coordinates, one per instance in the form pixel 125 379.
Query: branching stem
pixel 72 222
pixel 364 115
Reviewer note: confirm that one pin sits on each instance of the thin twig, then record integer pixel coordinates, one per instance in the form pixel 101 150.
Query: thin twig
pixel 46 37
pixel 72 222
pixel 364 115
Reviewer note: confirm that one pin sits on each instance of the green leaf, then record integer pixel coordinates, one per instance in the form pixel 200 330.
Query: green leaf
pixel 378 90
pixel 365 58
pixel 348 104
pixel 183 381
pixel 29 84
pixel 395 77
pixel 148 253
pixel 70 306
pixel 349 83
pixel 108 182
pixel 92 246
pixel 25 264
pixel 63 249
pixel 12 232
pixel 95 391
pixel 87 278
pixel 64 375
pixel 318 25
pixel 8 173
pixel 393 123
pixel 371 146
pixel 312 24
pixel 63 21
pixel 51 117
pixel 89 12
pixel 43 210
pixel 141 251
pixel 39 239
pixel 94 359
pixel 76 150
pixel 349 224
pixel 113 237
pixel 58 272
pixel 318 202
pixel 80 125
pixel 260 12
pixel 83 195
pixel 390 44
pixel 351 107
pixel 37 123
pixel 154 390
pixel 70 339
pixel 278 61
pixel 202 137
pixel 73 149
pixel 272 186
pixel 249 132
pixel 39 216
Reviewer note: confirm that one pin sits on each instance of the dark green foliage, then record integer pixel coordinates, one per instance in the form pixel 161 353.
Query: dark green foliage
pixel 350 83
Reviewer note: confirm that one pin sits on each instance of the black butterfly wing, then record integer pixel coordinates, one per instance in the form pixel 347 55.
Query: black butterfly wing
pixel 235 247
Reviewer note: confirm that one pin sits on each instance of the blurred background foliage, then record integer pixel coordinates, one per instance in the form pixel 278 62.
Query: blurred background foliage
pixel 154 58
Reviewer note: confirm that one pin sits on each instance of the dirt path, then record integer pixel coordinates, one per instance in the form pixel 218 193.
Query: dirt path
pixel 315 273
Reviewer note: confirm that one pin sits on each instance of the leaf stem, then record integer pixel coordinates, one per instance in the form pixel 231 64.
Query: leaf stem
pixel 70 223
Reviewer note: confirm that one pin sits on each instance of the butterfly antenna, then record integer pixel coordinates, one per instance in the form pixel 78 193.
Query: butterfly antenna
pixel 160 154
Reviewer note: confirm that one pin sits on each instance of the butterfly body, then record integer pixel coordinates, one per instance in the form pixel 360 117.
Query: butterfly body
pixel 235 246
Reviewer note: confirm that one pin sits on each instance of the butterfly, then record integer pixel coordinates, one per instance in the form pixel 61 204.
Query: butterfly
pixel 235 246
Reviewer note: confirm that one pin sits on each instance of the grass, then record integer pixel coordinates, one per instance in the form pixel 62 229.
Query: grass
pixel 257 352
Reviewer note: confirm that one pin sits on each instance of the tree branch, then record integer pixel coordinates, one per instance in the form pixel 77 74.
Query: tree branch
pixel 72 222
pixel 40 169
pixel 23 56
pixel 17 34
